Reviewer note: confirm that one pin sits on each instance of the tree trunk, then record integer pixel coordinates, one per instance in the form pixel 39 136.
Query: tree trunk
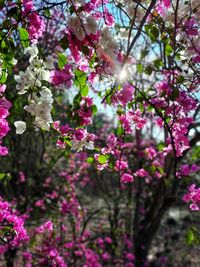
pixel 10 257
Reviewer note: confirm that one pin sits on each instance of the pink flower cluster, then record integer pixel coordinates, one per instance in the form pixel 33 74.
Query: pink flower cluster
pixel 85 111
pixel 12 227
pixel 127 178
pixel 36 23
pixel 187 169
pixel 131 119
pixel 193 196
pixel 4 127
pixel 59 77
pixel 125 95
pixel 46 227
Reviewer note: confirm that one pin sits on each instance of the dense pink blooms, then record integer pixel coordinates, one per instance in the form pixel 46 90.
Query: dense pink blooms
pixel 187 169
pixel 191 27
pixel 125 95
pixel 46 227
pixel 127 178
pixel 138 119
pixel 5 105
pixel 121 165
pixel 36 23
pixel 141 173
pixel 80 134
pixel 59 77
pixel 193 197
pixel 13 225
pixel 85 111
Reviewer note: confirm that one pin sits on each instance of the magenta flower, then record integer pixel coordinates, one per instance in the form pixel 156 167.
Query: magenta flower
pixel 127 178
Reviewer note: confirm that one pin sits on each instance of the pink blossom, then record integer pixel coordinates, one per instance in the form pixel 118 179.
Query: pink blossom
pixel 130 256
pixel 46 227
pixel 2 88
pixel 7 218
pixel 108 240
pixel 125 95
pixel 193 196
pixel 139 121
pixel 4 128
pixel 151 153
pixel 64 76
pixel 22 177
pixel 127 178
pixel 3 151
pixel 120 165
pixel 141 173
pixel 80 134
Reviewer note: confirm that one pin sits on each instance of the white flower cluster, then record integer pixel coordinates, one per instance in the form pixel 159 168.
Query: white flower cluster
pixel 41 107
pixel 79 145
pixel 36 72
pixel 82 26
pixel 40 97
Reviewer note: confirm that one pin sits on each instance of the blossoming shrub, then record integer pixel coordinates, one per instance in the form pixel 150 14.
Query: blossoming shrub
pixel 99 128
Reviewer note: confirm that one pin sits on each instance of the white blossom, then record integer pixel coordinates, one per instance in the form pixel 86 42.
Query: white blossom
pixel 32 51
pixel 20 127
pixel 91 25
pixel 40 107
pixel 75 24
pixel 79 145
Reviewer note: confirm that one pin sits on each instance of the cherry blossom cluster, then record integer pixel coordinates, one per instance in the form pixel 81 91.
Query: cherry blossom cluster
pixel 77 138
pixel 36 23
pixel 87 40
pixel 193 197
pixel 5 105
pixel 12 228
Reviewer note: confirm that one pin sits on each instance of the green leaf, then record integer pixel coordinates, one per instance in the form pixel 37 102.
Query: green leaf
pixel 148 70
pixel 93 60
pixel 144 53
pixel 153 168
pixel 2 3
pixel 175 93
pixel 77 99
pixel 180 79
pixel 192 236
pixel 3 44
pixel 3 77
pixel 69 143
pixel 102 159
pixel 64 43
pixel 24 37
pixel 90 160
pixel 62 60
pixel 120 131
pixel 2 175
pixel 139 68
pixel 80 77
pixel 158 63
pixel 71 10
pixel 85 50
pixel 14 12
pixel 94 109
pixel 80 82
pixel 154 31
pixel 84 91
pixel 47 13
pixel 168 49
pixel 161 171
